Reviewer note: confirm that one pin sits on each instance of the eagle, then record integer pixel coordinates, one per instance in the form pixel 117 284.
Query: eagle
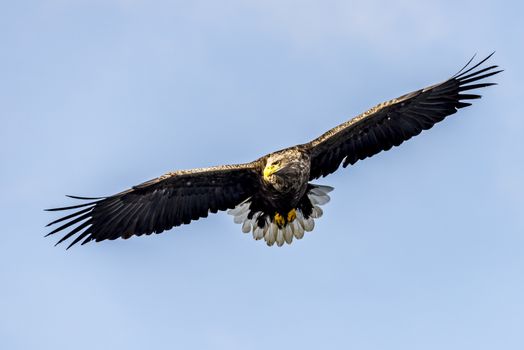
pixel 271 197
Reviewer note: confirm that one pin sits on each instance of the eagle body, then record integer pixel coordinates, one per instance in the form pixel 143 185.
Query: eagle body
pixel 286 204
pixel 285 186
pixel 272 197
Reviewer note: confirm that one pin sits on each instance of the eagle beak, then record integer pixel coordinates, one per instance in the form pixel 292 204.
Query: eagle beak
pixel 270 170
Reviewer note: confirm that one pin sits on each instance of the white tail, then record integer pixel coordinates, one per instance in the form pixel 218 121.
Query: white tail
pixel 271 233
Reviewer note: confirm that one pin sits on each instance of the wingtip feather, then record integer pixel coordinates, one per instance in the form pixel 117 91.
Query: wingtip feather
pixel 84 198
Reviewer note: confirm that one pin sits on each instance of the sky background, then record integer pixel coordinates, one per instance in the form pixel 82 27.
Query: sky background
pixel 421 247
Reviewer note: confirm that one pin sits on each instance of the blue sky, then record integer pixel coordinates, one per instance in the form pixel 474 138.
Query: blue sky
pixel 421 247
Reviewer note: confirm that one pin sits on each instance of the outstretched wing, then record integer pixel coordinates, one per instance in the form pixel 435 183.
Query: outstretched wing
pixel 393 122
pixel 155 206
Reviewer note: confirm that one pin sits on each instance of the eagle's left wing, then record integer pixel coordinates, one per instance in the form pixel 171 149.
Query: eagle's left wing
pixel 157 205
pixel 393 122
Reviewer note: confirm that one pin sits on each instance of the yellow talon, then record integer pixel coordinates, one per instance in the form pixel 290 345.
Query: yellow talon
pixel 292 215
pixel 279 220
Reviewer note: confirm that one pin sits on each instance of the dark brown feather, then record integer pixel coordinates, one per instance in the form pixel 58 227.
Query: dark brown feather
pixel 160 204
pixel 393 122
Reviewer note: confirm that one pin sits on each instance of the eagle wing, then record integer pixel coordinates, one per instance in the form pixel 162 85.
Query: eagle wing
pixel 157 205
pixel 393 122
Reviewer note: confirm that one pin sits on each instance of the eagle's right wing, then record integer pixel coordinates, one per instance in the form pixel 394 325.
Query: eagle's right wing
pixel 157 205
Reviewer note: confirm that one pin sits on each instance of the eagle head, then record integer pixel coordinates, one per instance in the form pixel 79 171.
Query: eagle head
pixel 286 170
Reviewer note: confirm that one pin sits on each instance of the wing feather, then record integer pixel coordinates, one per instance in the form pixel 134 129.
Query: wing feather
pixel 159 204
pixel 393 122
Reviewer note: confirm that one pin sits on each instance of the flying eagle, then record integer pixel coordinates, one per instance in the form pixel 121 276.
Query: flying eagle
pixel 272 197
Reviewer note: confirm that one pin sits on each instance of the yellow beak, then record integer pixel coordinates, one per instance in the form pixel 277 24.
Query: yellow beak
pixel 270 170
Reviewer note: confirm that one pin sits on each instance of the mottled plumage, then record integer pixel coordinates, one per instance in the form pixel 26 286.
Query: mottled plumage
pixel 272 196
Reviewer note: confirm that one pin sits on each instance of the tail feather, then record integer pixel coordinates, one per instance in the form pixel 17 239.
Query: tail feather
pixel 262 224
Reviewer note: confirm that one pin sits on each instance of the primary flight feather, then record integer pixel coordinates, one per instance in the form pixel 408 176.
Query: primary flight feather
pixel 272 197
